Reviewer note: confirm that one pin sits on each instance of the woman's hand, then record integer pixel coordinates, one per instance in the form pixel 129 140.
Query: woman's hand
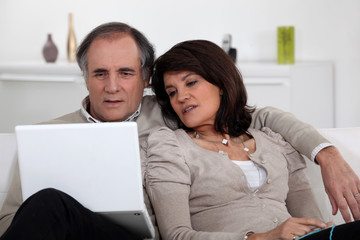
pixel 291 229
pixel 330 224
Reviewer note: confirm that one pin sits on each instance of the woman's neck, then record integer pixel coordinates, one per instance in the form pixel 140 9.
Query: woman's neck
pixel 209 133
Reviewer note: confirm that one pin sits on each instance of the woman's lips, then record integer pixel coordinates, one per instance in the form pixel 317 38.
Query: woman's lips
pixel 189 108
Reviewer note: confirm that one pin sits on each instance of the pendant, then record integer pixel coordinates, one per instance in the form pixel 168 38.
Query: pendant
pixel 196 135
pixel 224 141
pixel 222 152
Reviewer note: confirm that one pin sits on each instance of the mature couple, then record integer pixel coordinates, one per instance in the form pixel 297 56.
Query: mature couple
pixel 208 169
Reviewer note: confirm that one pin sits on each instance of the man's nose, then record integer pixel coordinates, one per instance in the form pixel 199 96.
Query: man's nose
pixel 113 84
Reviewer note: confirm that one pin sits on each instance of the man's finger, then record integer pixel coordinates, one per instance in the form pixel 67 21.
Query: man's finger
pixel 343 207
pixel 357 198
pixel 334 206
pixel 353 203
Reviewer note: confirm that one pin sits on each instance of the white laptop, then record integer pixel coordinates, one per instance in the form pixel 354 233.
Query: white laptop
pixel 97 164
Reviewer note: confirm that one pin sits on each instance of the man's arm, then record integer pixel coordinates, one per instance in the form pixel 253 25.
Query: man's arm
pixel 302 136
pixel 341 183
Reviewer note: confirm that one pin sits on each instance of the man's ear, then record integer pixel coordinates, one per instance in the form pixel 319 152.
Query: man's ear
pixel 146 83
pixel 86 82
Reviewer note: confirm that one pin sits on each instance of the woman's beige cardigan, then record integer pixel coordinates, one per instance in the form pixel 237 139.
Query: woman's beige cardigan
pixel 200 194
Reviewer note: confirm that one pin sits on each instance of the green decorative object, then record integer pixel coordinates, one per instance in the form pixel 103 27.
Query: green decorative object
pixel 286 45
pixel 281 39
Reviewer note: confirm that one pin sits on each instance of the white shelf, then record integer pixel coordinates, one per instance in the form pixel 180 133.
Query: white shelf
pixel 32 92
pixel 304 89
pixel 40 68
pixel 40 72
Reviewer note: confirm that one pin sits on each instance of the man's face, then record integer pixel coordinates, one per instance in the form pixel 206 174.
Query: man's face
pixel 115 81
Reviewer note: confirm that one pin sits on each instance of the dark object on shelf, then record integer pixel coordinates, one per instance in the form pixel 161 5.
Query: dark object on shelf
pixel 226 45
pixel 50 51
pixel 232 54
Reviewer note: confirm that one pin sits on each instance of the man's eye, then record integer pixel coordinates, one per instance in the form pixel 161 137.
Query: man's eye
pixel 126 74
pixel 100 75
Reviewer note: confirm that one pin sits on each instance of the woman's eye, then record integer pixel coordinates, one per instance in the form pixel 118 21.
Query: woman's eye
pixel 171 94
pixel 191 83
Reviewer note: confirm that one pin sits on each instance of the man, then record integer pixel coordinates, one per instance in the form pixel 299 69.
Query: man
pixel 116 62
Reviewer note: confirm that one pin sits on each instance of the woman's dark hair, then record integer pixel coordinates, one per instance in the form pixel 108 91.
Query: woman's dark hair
pixel 215 66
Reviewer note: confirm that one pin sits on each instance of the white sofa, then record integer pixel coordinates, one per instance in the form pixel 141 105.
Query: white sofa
pixel 346 139
pixel 7 155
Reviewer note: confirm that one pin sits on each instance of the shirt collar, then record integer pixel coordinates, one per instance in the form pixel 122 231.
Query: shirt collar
pixel 85 104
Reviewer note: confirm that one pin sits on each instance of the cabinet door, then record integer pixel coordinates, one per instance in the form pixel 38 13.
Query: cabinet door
pixel 29 102
pixel 269 91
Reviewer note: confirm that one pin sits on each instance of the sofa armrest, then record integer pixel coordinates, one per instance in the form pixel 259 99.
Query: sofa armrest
pixel 7 157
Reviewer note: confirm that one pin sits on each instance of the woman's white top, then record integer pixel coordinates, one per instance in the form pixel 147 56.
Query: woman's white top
pixel 255 174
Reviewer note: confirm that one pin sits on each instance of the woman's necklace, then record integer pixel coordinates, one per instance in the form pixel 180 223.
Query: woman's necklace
pixel 224 141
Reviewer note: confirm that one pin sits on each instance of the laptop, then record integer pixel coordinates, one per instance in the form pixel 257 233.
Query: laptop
pixel 98 164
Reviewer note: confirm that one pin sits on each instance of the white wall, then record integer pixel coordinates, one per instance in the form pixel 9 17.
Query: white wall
pixel 324 30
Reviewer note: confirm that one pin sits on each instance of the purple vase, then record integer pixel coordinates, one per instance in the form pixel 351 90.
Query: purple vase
pixel 50 51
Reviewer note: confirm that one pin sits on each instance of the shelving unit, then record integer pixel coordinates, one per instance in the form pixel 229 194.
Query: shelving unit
pixel 305 89
pixel 35 92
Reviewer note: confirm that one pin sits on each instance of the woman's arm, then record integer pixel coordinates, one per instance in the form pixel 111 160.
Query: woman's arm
pixel 168 184
pixel 300 200
pixel 292 228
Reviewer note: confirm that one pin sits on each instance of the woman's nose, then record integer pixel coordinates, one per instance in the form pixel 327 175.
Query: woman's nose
pixel 183 95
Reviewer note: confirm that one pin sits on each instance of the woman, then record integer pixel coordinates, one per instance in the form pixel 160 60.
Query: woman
pixel 215 178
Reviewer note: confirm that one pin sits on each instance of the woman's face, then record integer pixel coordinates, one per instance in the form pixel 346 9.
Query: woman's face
pixel 195 100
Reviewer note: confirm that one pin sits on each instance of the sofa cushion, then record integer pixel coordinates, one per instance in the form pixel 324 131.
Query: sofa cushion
pixel 7 157
pixel 346 139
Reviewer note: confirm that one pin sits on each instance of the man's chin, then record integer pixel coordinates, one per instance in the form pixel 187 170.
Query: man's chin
pixel 110 115
pixel 115 118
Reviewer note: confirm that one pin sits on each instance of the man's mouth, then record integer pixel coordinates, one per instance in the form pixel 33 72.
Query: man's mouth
pixel 113 101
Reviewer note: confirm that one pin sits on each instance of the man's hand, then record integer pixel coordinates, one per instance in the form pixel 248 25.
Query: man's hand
pixel 342 185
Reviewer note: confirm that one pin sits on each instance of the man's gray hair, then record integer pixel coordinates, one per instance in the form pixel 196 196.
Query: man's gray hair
pixel 108 30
